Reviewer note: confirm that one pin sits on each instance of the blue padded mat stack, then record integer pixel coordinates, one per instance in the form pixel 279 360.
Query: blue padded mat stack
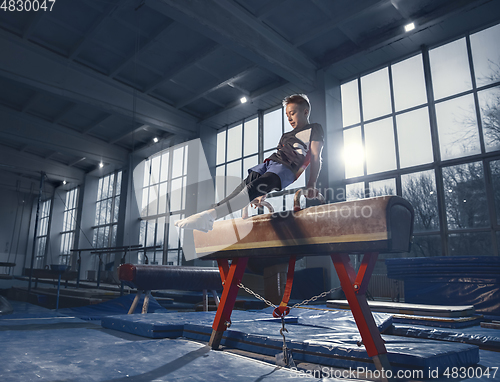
pixel 440 322
pixel 482 337
pixel 171 325
pixel 328 318
pixel 338 347
pixel 470 280
pixel 318 336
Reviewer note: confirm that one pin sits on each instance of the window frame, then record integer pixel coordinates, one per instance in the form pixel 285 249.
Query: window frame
pixel 437 164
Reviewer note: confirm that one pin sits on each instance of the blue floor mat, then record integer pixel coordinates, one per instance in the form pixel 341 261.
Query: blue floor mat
pixel 42 347
pixel 325 337
pixel 338 348
pixel 26 310
pixel 328 318
pixel 120 305
pixel 483 337
pixel 171 325
pixel 93 355
pixel 439 322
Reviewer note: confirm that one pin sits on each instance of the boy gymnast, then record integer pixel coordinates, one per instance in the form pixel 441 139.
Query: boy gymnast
pixel 296 150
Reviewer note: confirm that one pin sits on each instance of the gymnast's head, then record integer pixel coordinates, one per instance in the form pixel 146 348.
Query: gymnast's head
pixel 297 109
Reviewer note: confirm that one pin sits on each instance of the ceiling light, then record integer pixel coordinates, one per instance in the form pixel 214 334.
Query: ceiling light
pixel 101 165
pixel 409 27
pixel 64 182
pixel 155 139
pixel 243 99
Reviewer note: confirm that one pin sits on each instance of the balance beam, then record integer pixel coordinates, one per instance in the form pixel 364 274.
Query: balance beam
pixel 368 226
pixel 146 278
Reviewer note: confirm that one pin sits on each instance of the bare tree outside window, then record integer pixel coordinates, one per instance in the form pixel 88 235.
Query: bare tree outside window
pixel 420 190
pixel 465 196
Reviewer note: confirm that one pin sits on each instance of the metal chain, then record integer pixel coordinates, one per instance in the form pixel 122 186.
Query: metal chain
pixel 305 302
pixel 314 298
pixel 256 295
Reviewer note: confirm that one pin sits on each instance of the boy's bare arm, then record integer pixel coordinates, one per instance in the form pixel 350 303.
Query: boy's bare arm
pixel 314 168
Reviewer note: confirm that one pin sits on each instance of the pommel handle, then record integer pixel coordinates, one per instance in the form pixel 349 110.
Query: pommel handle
pixel 299 193
pixel 244 211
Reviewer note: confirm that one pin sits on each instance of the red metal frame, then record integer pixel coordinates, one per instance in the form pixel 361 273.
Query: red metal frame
pixel 354 286
pixel 230 278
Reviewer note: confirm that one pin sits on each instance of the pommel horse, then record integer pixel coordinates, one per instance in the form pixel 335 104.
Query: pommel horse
pixel 146 278
pixel 367 226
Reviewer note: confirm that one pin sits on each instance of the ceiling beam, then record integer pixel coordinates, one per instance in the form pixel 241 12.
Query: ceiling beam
pixel 106 46
pixel 15 161
pixel 357 8
pixel 95 124
pixel 48 72
pixel 64 113
pixel 50 154
pixel 30 103
pixel 269 8
pixel 94 28
pixel 129 133
pixel 162 31
pixel 254 96
pixel 198 56
pixel 388 36
pixel 35 131
pixel 208 89
pixel 37 17
pixel 76 162
pixel 232 26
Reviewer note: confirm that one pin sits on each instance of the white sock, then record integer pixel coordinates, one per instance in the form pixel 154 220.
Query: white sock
pixel 203 221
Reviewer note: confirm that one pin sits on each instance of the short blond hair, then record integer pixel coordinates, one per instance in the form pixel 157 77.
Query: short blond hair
pixel 298 99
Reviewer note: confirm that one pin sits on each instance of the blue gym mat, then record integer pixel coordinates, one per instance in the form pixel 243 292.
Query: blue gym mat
pixel 26 310
pixel 322 317
pixel 338 347
pixel 119 305
pixel 93 355
pixel 40 344
pixel 483 337
pixel 439 322
pixel 171 325
pixel 326 337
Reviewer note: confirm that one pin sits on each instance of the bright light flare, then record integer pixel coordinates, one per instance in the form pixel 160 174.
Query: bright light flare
pixel 409 27
pixel 354 156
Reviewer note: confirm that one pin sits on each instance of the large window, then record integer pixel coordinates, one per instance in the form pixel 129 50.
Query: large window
pixel 42 235
pixel 106 211
pixel 238 150
pixel 163 203
pixel 427 128
pixel 69 226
